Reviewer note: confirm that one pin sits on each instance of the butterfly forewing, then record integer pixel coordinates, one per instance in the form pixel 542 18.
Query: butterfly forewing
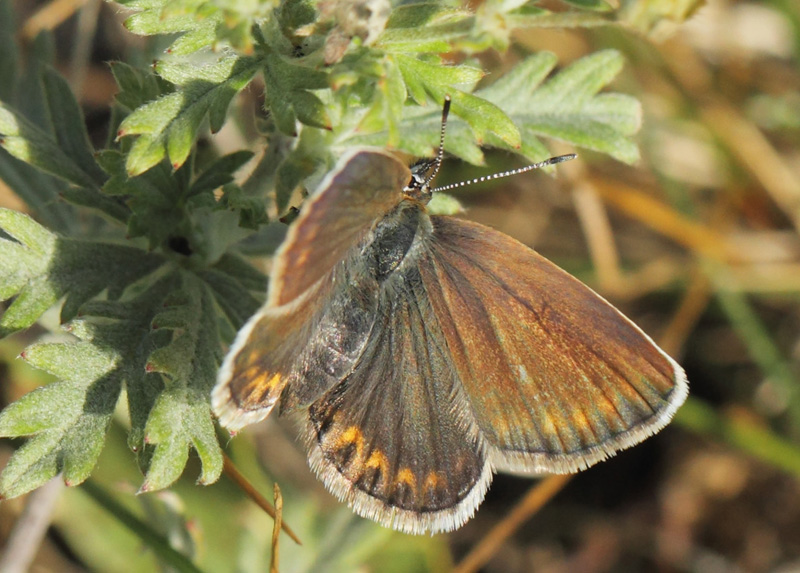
pixel 336 219
pixel 556 378
pixel 313 327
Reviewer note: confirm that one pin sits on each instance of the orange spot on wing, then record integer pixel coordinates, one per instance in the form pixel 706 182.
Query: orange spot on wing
pixel 351 435
pixel 378 460
pixel 260 380
pixel 406 476
pixel 433 481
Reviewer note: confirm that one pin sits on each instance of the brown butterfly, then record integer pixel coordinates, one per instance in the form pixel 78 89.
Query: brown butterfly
pixel 423 352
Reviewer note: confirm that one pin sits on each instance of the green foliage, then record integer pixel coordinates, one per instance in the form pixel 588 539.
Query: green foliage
pixel 567 106
pixel 143 240
pixel 40 268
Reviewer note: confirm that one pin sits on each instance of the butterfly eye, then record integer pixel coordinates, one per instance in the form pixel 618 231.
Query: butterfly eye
pixel 419 177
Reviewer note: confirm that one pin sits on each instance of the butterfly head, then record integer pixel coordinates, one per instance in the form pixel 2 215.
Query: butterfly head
pixel 424 171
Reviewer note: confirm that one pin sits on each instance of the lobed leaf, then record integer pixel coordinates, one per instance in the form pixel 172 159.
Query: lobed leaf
pixel 428 79
pixel 288 93
pixel 137 86
pixel 567 106
pixel 196 21
pixel 68 419
pixel 40 268
pixel 167 127
pixel 181 415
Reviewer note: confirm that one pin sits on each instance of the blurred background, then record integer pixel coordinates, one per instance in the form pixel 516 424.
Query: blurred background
pixel 697 243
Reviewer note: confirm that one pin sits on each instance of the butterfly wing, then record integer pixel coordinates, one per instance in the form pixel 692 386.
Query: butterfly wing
pixel 312 329
pixel 391 439
pixel 556 378
pixel 307 345
pixel 365 185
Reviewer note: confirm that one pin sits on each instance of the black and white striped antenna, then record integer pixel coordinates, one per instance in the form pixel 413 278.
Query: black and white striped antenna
pixel 509 173
pixel 422 182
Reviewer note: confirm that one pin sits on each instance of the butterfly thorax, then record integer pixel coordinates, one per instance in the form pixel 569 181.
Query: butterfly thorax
pixel 392 238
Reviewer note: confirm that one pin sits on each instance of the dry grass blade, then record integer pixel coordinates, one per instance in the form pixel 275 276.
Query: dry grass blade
pixel 694 304
pixel 31 527
pixel 533 501
pixel 596 228
pixel 230 470
pixel 50 16
pixel 664 219
pixel 276 529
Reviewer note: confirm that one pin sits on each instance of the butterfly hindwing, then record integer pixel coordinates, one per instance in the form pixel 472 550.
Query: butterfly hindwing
pixel 556 378
pixel 392 438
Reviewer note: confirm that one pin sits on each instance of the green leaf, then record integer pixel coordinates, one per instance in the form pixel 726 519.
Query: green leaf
pixel 68 419
pixel 168 126
pixel 181 415
pixel 195 21
pixel 219 173
pixel 69 127
pixel 419 135
pixel 125 327
pixel 252 211
pixel 29 143
pixel 288 95
pixel 155 198
pixel 424 27
pixel 137 86
pixel 40 268
pixel 232 282
pixel 567 106
pixel 435 80
pixel 387 105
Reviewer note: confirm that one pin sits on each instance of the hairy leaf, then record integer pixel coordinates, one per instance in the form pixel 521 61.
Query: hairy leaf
pixel 568 106
pixel 167 127
pixel 68 419
pixel 181 416
pixel 40 268
pixel 196 21
pixel 289 96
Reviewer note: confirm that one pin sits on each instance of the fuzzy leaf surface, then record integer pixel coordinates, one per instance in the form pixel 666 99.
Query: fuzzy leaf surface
pixel 168 126
pixel 181 416
pixel 40 268
pixel 568 105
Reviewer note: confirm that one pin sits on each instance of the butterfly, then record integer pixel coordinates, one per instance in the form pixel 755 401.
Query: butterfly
pixel 422 353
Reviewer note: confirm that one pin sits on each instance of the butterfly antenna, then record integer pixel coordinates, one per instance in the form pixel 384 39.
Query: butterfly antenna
pixel 545 163
pixel 440 155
